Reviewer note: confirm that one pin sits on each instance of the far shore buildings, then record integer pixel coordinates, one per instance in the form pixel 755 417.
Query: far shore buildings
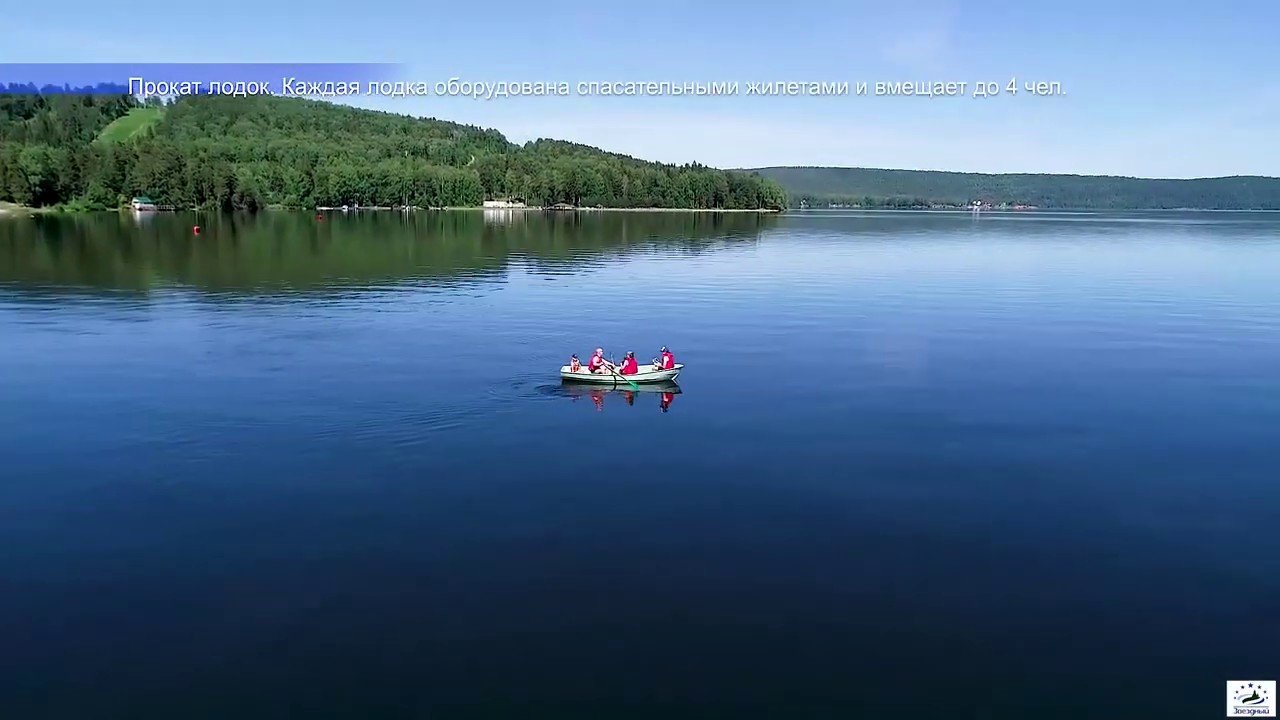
pixel 503 203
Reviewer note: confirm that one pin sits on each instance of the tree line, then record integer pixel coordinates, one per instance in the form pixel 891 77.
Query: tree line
pixel 246 153
pixel 869 187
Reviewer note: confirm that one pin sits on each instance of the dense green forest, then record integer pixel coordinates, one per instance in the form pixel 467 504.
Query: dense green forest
pixel 866 187
pixel 97 151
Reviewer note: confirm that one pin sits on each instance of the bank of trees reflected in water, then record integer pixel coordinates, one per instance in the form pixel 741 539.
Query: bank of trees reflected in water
pixel 308 251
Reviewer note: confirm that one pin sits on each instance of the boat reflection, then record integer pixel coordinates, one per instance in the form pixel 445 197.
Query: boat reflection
pixel 666 393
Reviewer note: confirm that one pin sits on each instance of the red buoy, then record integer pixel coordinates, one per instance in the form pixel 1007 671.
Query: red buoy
pixel 195 230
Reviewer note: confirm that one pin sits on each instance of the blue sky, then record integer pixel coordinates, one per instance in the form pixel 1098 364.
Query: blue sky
pixel 1152 90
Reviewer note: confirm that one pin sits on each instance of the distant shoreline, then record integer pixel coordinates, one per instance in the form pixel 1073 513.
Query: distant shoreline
pixel 824 186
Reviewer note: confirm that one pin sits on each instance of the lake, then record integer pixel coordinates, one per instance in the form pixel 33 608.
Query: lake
pixel 1003 465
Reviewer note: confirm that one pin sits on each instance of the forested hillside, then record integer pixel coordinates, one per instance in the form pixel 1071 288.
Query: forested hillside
pixel 819 186
pixel 250 152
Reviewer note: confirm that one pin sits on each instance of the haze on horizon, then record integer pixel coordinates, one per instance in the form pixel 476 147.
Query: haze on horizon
pixel 1150 92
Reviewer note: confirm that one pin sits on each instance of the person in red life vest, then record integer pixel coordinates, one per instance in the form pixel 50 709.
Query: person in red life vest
pixel 665 360
pixel 574 365
pixel 597 363
pixel 629 365
pixel 668 360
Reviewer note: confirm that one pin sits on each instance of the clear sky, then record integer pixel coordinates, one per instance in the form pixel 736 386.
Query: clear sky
pixel 1175 89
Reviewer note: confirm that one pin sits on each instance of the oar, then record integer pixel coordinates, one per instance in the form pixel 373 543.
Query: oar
pixel 624 377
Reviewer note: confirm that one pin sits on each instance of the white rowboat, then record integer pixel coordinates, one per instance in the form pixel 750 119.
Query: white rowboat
pixel 646 374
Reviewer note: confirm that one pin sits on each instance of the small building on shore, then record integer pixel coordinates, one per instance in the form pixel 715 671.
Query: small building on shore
pixel 503 203
pixel 142 203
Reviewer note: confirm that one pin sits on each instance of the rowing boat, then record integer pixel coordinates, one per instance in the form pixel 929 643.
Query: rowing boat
pixel 645 374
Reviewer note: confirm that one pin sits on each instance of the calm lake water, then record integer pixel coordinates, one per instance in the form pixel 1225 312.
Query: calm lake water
pixel 1007 466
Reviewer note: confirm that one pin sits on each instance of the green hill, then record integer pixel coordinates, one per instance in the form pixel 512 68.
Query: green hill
pixel 130 124
pixel 250 152
pixel 869 187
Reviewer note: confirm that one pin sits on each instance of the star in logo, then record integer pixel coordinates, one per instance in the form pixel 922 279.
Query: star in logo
pixel 1247 694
